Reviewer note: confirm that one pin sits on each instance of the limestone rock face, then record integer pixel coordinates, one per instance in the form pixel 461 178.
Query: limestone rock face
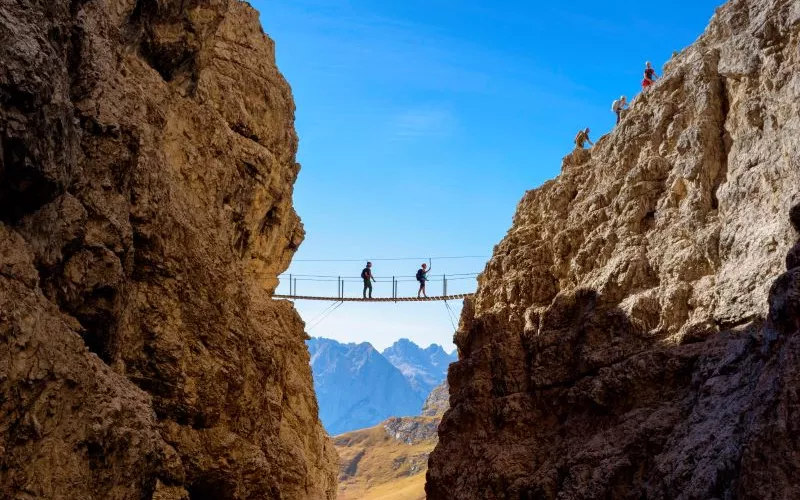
pixel 411 430
pixel 633 335
pixel 438 401
pixel 148 161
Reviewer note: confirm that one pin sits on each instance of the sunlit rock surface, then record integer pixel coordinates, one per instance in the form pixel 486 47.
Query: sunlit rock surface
pixel 635 335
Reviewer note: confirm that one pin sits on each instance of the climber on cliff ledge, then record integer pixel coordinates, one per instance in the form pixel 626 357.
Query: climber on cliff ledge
pixel 649 75
pixel 619 106
pixel 582 137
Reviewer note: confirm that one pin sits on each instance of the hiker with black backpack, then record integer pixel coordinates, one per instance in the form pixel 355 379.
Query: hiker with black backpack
pixel 366 275
pixel 422 277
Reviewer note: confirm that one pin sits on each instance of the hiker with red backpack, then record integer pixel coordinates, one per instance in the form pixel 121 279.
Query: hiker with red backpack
pixel 649 75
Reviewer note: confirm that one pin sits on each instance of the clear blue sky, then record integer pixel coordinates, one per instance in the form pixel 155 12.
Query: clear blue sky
pixel 422 124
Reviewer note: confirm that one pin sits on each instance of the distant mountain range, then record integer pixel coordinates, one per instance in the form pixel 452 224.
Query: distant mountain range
pixel 358 387
pixel 423 368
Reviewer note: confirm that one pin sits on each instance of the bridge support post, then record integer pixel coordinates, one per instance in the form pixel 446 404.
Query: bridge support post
pixel 444 285
pixel 290 285
pixel 339 286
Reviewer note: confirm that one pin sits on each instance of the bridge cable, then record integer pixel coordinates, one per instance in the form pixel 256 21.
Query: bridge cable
pixel 315 318
pixel 321 320
pixel 450 315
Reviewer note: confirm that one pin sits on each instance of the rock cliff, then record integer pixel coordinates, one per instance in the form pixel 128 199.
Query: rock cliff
pixel 148 161
pixel 438 401
pixel 635 334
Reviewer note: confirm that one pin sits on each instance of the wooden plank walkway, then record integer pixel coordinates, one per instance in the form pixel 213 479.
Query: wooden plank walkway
pixel 379 299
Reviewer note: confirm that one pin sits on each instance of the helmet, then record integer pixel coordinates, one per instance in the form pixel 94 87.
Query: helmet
pixel 622 98
pixel 424 265
pixel 648 64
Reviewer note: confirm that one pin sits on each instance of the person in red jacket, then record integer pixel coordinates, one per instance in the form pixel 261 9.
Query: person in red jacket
pixel 649 75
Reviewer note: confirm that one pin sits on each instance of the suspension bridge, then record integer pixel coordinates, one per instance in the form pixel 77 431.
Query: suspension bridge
pixel 442 287
pixel 439 286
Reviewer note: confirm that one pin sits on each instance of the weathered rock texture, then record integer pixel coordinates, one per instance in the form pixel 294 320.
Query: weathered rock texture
pixel 148 159
pixel 438 401
pixel 629 338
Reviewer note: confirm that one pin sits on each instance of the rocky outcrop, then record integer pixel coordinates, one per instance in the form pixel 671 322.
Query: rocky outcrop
pixel 438 401
pixel 620 344
pixel 148 161
pixel 411 430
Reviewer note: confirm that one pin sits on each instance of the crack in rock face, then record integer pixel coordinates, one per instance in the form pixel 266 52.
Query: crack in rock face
pixel 635 334
pixel 148 162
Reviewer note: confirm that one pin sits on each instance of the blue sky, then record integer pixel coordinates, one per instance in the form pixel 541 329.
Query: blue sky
pixel 422 124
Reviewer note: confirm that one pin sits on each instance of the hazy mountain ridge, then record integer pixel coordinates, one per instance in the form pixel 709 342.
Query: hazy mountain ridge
pixel 358 387
pixel 424 368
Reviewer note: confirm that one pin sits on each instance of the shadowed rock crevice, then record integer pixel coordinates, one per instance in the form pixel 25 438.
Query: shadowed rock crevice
pixel 173 34
pixel 726 144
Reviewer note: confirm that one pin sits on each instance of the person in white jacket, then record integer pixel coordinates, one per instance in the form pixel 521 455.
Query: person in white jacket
pixel 618 106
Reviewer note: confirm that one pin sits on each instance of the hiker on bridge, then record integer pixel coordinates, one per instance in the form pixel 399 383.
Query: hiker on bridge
pixel 422 277
pixel 650 75
pixel 619 106
pixel 366 275
pixel 582 137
